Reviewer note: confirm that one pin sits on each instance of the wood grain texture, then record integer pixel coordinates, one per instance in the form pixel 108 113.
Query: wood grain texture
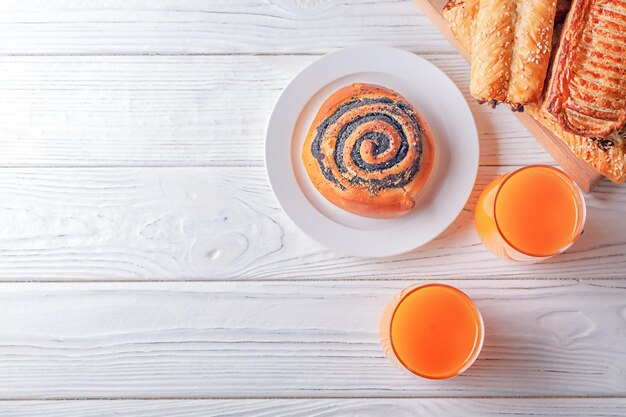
pixel 93 118
pixel 588 407
pixel 178 111
pixel 217 26
pixel 224 223
pixel 311 339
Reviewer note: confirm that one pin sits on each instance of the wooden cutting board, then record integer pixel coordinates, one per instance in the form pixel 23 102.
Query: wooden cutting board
pixel 585 176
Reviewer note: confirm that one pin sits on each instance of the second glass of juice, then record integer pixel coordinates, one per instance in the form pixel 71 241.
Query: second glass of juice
pixel 433 330
pixel 530 214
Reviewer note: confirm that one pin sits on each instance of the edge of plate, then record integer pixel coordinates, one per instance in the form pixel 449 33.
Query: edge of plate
pixel 346 251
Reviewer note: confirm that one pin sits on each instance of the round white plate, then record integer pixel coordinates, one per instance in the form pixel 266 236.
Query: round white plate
pixel 434 95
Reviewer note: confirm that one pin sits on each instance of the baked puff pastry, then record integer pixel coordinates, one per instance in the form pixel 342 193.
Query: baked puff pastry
pixel 606 155
pixel 510 49
pixel 587 90
pixel 460 16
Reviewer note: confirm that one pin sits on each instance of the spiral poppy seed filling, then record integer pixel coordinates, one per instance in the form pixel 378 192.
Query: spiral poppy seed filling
pixel 385 153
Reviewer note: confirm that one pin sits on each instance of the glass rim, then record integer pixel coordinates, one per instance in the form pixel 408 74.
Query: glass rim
pixel 578 194
pixel 478 342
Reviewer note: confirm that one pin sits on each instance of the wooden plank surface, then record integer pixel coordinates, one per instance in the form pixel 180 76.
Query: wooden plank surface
pixel 432 407
pixel 582 173
pixel 131 138
pixel 308 339
pixel 179 111
pixel 224 223
pixel 211 27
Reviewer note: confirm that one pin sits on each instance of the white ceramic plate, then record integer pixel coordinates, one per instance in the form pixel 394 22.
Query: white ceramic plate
pixel 434 95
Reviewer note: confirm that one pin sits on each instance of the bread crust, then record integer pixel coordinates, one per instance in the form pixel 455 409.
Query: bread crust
pixel 369 151
pixel 607 156
pixel 460 16
pixel 586 93
pixel 511 43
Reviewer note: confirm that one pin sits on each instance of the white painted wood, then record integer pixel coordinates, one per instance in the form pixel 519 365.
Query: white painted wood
pixel 216 26
pixel 312 339
pixel 88 136
pixel 224 223
pixel 183 110
pixel 587 407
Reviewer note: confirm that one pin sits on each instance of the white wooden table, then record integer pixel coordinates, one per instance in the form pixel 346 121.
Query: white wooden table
pixel 148 271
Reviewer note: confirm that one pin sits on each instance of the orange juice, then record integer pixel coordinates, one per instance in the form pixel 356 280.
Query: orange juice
pixel 433 330
pixel 530 214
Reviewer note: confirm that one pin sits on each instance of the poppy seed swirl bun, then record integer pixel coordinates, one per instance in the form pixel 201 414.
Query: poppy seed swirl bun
pixel 369 151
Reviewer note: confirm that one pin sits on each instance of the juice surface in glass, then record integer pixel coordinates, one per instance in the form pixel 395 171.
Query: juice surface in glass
pixel 433 330
pixel 530 214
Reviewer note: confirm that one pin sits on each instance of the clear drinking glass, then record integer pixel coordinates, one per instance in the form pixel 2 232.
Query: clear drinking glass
pixel 530 214
pixel 432 330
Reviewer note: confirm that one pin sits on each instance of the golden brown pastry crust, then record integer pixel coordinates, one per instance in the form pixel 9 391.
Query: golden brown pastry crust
pixel 531 51
pixel 369 151
pixel 587 89
pixel 460 15
pixel 492 50
pixel 511 44
pixel 607 156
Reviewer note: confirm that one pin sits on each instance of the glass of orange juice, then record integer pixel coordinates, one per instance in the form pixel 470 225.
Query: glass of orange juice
pixel 530 214
pixel 433 330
